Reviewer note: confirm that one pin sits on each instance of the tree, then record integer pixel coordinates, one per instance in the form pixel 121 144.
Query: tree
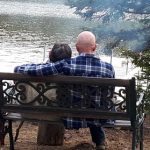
pixel 122 22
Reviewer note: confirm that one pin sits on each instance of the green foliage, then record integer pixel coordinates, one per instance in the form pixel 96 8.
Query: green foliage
pixel 121 22
pixel 141 60
pixel 109 10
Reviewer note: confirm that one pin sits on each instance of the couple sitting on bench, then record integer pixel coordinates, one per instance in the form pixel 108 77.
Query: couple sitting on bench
pixel 85 64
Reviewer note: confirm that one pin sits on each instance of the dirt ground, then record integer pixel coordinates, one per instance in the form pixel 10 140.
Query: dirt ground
pixel 75 139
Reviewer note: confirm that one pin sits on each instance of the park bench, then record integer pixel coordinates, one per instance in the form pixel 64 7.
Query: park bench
pixel 129 107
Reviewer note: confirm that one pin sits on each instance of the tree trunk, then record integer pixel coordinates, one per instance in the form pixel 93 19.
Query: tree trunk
pixel 50 134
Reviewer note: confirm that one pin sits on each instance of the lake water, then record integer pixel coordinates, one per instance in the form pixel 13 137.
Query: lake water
pixel 28 29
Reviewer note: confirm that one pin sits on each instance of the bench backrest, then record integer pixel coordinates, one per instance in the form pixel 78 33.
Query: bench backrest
pixel 13 98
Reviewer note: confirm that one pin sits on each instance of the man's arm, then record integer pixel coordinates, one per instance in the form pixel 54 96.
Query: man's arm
pixel 40 69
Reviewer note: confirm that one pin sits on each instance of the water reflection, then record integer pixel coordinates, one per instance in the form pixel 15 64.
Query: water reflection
pixel 32 8
pixel 29 28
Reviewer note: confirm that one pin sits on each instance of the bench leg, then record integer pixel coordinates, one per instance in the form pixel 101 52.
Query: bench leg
pixel 2 131
pixel 137 138
pixel 11 135
pixel 134 139
pixel 141 137
pixel 17 130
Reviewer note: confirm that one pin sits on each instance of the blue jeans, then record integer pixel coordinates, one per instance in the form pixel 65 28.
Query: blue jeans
pixel 97 134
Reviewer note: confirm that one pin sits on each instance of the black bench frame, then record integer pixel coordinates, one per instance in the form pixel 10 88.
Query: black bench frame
pixel 129 109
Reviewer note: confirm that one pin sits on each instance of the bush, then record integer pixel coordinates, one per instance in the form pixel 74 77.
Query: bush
pixel 141 60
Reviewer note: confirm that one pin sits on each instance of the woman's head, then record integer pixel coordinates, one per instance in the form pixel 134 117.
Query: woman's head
pixel 60 51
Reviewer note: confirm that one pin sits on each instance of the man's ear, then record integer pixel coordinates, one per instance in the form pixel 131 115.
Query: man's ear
pixel 94 47
pixel 78 49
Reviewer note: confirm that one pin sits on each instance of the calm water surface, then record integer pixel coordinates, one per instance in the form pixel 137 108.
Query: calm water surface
pixel 29 29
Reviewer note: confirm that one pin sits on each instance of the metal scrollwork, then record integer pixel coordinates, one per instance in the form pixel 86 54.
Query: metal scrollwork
pixel 69 95
pixel 26 93
pixel 8 91
pixel 120 102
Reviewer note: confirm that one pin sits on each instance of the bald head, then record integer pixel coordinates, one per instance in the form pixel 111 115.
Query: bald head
pixel 86 42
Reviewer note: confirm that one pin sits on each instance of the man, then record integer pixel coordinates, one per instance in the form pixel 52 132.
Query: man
pixel 86 64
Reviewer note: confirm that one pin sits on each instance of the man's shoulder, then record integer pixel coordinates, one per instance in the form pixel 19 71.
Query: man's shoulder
pixel 107 65
pixel 105 62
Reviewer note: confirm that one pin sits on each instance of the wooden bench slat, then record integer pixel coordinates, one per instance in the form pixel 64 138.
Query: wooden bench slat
pixel 18 116
pixel 67 112
pixel 66 79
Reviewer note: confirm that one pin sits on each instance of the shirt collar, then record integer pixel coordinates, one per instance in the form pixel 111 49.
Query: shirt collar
pixel 85 54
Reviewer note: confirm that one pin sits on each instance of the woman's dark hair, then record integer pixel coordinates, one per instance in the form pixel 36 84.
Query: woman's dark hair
pixel 59 52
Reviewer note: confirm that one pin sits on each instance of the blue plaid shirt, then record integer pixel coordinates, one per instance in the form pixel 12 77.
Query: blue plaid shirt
pixel 82 65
